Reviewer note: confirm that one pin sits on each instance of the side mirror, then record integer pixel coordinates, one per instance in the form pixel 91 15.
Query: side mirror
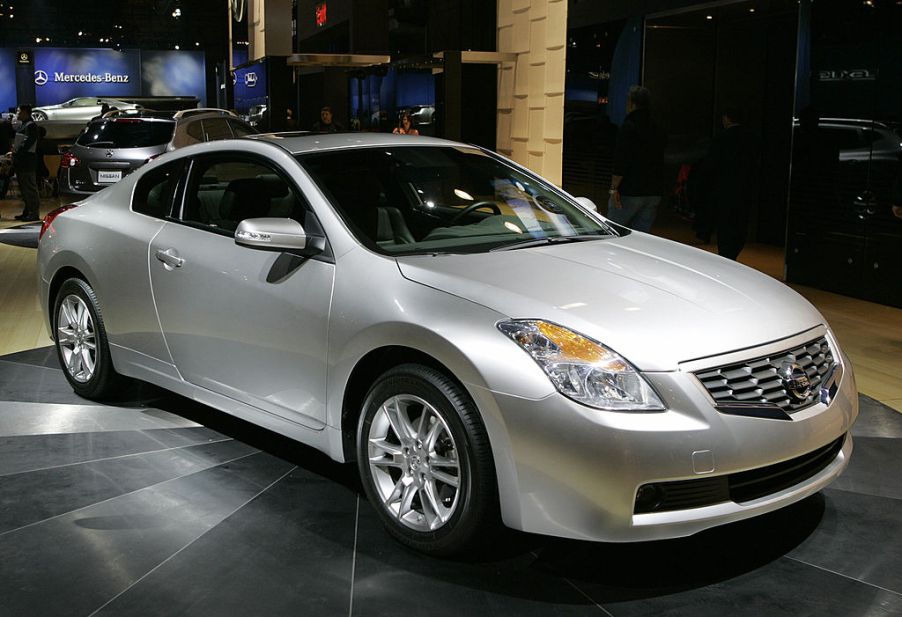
pixel 278 234
pixel 587 203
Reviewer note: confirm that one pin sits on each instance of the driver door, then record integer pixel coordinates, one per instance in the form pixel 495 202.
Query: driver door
pixel 246 323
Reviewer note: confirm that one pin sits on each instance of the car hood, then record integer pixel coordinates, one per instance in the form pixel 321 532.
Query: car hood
pixel 656 302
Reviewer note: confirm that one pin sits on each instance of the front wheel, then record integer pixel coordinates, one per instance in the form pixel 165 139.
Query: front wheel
pixel 81 342
pixel 425 461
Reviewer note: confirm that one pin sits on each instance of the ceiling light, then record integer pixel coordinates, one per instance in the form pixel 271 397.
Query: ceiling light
pixel 709 16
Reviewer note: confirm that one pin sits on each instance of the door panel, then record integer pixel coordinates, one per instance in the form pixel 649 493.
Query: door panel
pixel 247 323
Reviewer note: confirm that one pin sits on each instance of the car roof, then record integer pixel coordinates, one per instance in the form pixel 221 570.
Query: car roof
pixel 301 143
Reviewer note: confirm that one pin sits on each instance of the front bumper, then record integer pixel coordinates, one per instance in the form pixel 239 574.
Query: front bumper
pixel 567 470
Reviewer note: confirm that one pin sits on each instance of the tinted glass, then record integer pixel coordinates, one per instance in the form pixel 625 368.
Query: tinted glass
pixel 195 130
pixel 408 200
pixel 154 191
pixel 225 191
pixel 128 133
pixel 240 129
pixel 216 128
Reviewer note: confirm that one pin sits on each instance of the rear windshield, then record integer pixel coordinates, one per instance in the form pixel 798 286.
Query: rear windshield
pixel 131 133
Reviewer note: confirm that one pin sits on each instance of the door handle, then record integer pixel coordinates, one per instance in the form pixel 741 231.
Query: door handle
pixel 170 258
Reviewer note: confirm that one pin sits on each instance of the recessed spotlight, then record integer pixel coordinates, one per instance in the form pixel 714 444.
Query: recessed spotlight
pixel 176 47
pixel 709 16
pixel 38 39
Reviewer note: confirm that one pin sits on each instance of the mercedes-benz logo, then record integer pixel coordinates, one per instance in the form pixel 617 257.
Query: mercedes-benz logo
pixel 795 380
pixel 40 78
pixel 109 154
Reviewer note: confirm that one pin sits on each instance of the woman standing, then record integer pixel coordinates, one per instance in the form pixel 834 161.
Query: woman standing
pixel 405 127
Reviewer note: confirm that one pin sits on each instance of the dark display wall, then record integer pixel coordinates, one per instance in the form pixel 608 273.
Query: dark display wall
pixel 846 169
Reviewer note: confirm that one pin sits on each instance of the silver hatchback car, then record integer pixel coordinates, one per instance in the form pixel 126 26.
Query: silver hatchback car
pixel 485 346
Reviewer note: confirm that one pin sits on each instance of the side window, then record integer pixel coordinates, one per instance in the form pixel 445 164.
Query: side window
pixel 195 131
pixel 224 192
pixel 216 128
pixel 240 129
pixel 154 192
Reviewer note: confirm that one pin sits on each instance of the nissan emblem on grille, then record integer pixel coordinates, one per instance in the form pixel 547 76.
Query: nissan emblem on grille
pixel 795 380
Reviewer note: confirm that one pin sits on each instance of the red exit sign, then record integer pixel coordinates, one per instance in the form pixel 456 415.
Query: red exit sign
pixel 321 14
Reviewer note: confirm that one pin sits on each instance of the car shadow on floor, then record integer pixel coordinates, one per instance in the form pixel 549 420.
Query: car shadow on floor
pixel 525 565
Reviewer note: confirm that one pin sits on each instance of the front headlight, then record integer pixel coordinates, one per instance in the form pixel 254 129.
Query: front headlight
pixel 582 369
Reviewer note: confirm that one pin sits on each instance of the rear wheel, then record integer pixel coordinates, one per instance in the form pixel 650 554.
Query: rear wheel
pixel 425 461
pixel 38 116
pixel 81 342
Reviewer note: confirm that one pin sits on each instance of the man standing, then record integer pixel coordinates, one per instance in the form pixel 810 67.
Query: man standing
pixel 637 178
pixel 25 159
pixel 326 123
pixel 732 166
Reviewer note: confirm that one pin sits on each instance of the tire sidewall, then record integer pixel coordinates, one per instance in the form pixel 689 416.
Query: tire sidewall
pixel 434 388
pixel 100 383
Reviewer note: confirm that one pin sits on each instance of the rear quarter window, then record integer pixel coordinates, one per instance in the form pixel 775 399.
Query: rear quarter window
pixel 155 190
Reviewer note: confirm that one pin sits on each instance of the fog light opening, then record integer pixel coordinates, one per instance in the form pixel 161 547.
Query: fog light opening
pixel 648 498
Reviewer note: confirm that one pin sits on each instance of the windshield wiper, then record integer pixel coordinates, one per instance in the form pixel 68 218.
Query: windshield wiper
pixel 545 241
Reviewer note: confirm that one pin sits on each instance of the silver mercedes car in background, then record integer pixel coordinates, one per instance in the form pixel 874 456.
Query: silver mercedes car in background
pixel 79 109
pixel 483 345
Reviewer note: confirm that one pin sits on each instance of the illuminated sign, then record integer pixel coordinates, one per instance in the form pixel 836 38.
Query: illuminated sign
pixel 41 78
pixel 23 57
pixel 847 75
pixel 320 14
pixel 250 79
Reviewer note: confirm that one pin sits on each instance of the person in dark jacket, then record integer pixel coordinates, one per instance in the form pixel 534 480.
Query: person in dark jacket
pixel 732 171
pixel 25 163
pixel 637 180
pixel 7 133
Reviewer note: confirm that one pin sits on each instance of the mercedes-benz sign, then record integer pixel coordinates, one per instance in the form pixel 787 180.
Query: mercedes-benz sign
pixel 40 78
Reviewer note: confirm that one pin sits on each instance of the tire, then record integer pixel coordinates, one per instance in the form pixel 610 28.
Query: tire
pixel 38 116
pixel 410 479
pixel 81 342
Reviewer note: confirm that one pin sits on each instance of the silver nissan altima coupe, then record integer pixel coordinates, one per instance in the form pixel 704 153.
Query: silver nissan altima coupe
pixel 485 346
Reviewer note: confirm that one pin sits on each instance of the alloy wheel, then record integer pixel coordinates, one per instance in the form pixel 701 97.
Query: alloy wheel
pixel 413 460
pixel 76 338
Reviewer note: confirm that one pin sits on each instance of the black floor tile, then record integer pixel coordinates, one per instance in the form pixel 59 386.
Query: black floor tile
pixel 34 383
pixel 390 580
pixel 73 564
pixel 21 418
pixel 860 537
pixel 288 552
pixel 876 419
pixel 875 468
pixel 31 452
pixel 42 356
pixel 31 497
pixel 782 588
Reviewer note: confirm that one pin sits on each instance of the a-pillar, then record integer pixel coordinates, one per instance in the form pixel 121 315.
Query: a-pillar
pixel 531 90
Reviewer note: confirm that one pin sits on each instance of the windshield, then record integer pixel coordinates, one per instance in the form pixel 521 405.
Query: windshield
pixel 127 133
pixel 405 200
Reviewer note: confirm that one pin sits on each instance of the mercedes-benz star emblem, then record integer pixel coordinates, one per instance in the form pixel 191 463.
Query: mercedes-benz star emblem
pixel 40 78
pixel 109 154
pixel 795 380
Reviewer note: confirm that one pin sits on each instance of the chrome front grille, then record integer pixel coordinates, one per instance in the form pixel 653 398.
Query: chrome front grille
pixel 758 381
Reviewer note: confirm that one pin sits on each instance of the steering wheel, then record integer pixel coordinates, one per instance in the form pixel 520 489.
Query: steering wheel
pixel 475 206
